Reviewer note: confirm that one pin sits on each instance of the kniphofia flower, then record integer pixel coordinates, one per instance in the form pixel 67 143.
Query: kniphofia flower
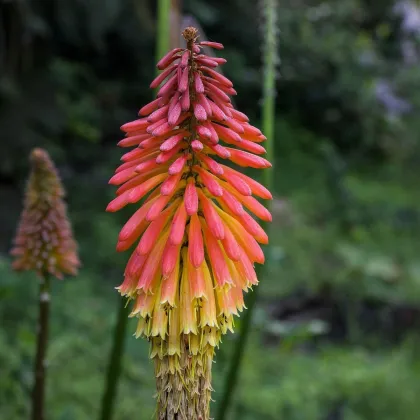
pixel 44 240
pixel 44 243
pixel 195 239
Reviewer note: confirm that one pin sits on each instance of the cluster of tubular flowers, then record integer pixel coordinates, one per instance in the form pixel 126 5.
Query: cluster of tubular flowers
pixel 44 240
pixel 196 243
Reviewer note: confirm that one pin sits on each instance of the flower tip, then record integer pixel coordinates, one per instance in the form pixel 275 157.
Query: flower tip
pixel 38 154
pixel 167 58
pixel 195 239
pixel 138 124
pixel 197 146
pixel 263 239
pixel 191 198
pixel 190 34
pixel 123 245
pixel 215 45
pixel 112 207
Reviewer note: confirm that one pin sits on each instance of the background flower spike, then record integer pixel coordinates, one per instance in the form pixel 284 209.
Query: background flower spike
pixel 44 240
pixel 44 243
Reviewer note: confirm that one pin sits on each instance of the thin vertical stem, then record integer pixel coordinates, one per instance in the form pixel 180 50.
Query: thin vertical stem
pixel 114 367
pixel 268 119
pixel 38 395
pixel 237 355
pixel 163 28
pixel 269 85
pixel 175 18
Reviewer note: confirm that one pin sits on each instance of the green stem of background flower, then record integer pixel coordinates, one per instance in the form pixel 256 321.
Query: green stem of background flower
pixel 114 367
pixel 268 120
pixel 38 396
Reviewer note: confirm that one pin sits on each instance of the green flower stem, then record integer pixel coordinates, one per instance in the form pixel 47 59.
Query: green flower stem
pixel 268 120
pixel 38 395
pixel 163 28
pixel 237 355
pixel 114 367
pixel 175 18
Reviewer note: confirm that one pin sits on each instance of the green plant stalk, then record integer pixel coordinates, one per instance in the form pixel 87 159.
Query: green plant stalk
pixel 114 367
pixel 163 28
pixel 38 395
pixel 175 19
pixel 268 122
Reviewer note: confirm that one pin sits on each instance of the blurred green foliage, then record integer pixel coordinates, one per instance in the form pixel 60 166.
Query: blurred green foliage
pixel 335 336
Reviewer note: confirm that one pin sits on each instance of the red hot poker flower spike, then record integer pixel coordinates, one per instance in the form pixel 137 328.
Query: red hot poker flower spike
pixel 197 244
pixel 44 240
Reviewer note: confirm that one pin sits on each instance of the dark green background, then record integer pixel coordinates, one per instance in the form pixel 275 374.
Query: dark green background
pixel 335 333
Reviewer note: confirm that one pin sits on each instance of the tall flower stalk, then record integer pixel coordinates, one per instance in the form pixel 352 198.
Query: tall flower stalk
pixel 196 243
pixel 270 63
pixel 44 243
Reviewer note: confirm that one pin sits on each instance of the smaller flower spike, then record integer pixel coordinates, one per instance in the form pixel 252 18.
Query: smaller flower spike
pixel 44 240
pixel 196 242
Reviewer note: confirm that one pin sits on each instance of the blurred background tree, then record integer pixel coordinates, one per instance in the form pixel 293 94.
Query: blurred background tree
pixel 336 330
